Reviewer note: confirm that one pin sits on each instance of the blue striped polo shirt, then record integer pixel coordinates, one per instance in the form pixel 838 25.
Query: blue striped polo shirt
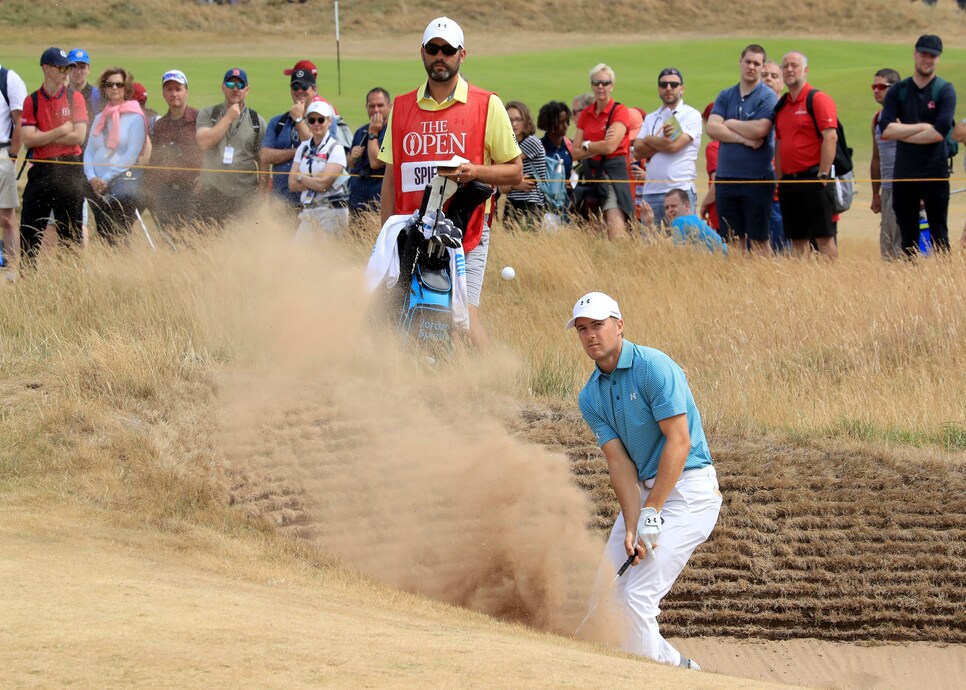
pixel 645 387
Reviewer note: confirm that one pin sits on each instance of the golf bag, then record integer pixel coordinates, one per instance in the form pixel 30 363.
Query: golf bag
pixel 420 304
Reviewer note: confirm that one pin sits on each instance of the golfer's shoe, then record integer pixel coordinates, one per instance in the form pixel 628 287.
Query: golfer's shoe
pixel 689 664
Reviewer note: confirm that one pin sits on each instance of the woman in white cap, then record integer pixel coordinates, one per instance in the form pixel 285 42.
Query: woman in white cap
pixel 318 172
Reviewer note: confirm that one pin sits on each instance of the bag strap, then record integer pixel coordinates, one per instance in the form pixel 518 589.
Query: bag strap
pixel 4 73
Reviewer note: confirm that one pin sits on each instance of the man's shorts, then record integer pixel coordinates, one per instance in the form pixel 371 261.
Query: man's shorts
pixel 476 267
pixel 744 207
pixel 8 182
pixel 806 207
pixel 610 198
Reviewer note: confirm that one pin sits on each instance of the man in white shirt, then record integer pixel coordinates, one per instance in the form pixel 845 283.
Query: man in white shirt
pixel 669 140
pixel 14 92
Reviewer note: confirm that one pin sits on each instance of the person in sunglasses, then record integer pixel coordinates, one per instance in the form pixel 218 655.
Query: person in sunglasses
pixel 318 175
pixel 883 162
pixel 602 141
pixel 669 141
pixel 230 135
pixel 118 136
pixel 445 118
pixel 53 126
pixel 287 130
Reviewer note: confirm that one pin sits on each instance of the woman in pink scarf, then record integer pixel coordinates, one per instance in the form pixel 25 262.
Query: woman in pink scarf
pixel 117 137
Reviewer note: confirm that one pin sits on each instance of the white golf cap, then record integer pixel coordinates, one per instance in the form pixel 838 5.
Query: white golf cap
pixel 446 29
pixel 596 306
pixel 320 107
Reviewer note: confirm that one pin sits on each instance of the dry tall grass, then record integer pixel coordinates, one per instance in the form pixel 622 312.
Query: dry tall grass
pixel 857 347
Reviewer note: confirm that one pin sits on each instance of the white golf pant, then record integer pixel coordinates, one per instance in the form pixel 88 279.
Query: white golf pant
pixel 690 513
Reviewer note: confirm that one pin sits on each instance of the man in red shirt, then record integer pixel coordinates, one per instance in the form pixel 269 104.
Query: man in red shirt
pixel 803 160
pixel 54 129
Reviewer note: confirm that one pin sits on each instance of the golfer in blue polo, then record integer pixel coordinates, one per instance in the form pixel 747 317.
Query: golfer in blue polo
pixel 638 404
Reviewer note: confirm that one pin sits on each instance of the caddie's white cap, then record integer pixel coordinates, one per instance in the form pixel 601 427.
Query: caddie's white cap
pixel 323 108
pixel 596 306
pixel 446 29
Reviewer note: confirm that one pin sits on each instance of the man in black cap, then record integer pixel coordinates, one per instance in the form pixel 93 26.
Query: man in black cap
pixel 286 130
pixel 918 113
pixel 53 126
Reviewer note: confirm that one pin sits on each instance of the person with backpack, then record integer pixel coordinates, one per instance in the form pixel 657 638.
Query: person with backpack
pixel 554 119
pixel 14 92
pixel 602 143
pixel 54 127
pixel 287 130
pixel 918 113
pixel 804 155
pixel 230 135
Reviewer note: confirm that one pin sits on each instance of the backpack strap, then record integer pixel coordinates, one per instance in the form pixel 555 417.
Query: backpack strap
pixel 4 73
pixel 280 125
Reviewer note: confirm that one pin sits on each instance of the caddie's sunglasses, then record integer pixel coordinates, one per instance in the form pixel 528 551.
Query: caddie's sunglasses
pixel 315 120
pixel 600 82
pixel 235 85
pixel 434 49
pixel 881 87
pixel 669 84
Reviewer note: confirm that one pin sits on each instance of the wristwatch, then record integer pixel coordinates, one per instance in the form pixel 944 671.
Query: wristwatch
pixel 298 120
pixel 823 176
pixel 585 146
pixel 373 137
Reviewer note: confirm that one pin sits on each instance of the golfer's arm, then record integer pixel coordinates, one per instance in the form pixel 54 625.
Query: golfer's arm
pixel 624 481
pixel 959 132
pixel 673 458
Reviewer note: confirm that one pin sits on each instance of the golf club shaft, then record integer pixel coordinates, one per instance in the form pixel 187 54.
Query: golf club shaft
pixel 623 568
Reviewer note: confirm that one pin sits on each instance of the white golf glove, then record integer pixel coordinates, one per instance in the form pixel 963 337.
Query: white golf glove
pixel 649 529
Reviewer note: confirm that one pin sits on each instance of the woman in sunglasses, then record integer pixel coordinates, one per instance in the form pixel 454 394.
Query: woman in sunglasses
pixel 601 141
pixel 318 172
pixel 117 138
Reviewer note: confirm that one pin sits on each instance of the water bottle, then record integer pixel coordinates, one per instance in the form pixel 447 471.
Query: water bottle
pixel 925 237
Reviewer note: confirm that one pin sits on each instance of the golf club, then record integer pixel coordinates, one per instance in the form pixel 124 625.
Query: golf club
pixel 627 563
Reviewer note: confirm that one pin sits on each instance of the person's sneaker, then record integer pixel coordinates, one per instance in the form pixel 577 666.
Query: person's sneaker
pixel 689 664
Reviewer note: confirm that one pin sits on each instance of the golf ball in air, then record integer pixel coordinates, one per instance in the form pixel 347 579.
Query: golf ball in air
pixel 509 273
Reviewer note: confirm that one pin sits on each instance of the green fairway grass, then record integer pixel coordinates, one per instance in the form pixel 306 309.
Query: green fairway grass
pixel 842 68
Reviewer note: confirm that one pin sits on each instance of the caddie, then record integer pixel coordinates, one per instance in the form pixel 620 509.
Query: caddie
pixel 638 404
pixel 443 118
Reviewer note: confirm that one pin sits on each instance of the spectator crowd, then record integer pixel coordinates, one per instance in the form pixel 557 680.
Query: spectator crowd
pixel 97 158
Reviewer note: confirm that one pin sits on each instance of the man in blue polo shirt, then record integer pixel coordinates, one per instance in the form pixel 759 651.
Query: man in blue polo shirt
pixel 638 404
pixel 741 121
